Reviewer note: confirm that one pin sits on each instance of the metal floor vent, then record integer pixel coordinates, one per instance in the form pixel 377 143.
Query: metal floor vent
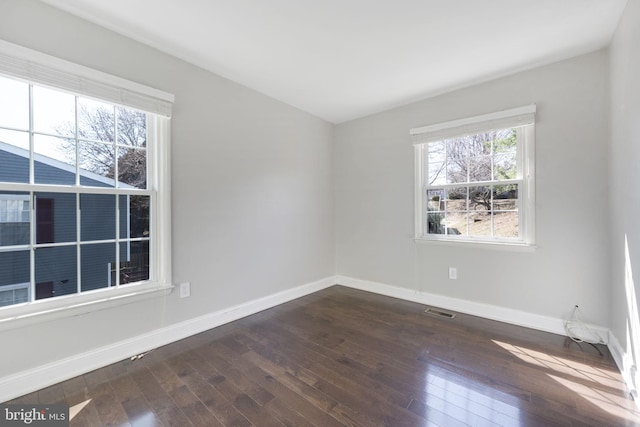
pixel 440 313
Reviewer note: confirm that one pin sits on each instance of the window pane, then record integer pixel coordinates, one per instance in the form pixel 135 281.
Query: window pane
pixel 56 271
pixel 504 166
pixel 457 149
pixel 434 222
pixel 134 216
pixel 480 225
pixel 456 199
pixel 505 141
pixel 132 127
pixel 54 160
pixel 437 174
pixel 97 164
pixel 456 171
pixel 14 267
pixel 98 217
pixel 505 197
pixel 14 104
pixel 480 199
pixel 14 156
pixel 453 223
pixel 480 168
pixel 435 200
pixel 479 144
pixel 134 262
pixel 14 219
pixel 21 295
pixel 139 216
pixel 55 215
pixel 96 120
pixel 480 220
pixel 96 263
pixel 505 206
pixel 456 206
pixel 436 152
pixel 132 167
pixel 506 224
pixel 53 112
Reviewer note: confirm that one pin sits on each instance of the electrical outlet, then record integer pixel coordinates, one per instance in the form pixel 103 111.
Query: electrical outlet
pixel 185 290
pixel 453 273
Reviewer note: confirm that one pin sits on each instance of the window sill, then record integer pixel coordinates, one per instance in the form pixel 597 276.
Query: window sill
pixel 22 315
pixel 496 246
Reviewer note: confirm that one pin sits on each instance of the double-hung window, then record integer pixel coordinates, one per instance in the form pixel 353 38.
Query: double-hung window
pixel 84 185
pixel 475 179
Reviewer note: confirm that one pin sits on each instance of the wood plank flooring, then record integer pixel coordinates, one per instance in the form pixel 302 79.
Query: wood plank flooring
pixel 342 357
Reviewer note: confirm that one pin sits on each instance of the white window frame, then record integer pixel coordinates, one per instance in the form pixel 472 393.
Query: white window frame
pixel 522 118
pixel 45 70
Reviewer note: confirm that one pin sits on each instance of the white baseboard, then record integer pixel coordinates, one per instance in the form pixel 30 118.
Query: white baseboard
pixel 43 376
pixel 626 366
pixel 488 311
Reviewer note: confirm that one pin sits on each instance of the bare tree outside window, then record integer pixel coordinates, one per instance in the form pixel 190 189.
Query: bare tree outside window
pixel 96 134
pixel 474 172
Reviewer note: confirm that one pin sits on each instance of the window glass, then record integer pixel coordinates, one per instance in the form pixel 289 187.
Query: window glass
pixel 55 216
pixel 14 218
pixel 14 156
pixel 132 167
pixel 98 213
pixel 473 184
pixel 14 267
pixel 96 261
pixel 96 120
pixel 55 160
pixel 54 112
pixel 56 271
pixel 14 109
pixel 134 267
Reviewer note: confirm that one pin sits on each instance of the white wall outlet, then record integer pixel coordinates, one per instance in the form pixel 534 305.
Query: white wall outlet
pixel 453 273
pixel 185 290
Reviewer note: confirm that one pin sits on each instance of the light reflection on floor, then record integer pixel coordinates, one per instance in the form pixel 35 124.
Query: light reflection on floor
pixel 466 404
pixel 600 387
pixel 75 409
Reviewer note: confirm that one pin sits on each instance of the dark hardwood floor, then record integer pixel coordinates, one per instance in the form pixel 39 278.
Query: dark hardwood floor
pixel 346 357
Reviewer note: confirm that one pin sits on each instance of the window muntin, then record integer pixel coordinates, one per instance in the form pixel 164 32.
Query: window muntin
pixel 474 179
pixel 70 235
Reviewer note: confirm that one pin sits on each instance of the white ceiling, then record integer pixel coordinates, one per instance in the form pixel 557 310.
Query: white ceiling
pixel 344 59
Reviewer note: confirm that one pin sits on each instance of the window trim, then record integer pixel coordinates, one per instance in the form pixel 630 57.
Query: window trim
pixel 515 117
pixel 38 68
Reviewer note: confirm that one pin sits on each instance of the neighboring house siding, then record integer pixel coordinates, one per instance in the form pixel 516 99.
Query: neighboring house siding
pixel 13 168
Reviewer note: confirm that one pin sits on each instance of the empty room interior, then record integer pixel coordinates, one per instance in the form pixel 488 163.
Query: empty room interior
pixel 320 213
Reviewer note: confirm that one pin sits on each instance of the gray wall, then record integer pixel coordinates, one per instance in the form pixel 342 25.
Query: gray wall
pixel 252 189
pixel 624 198
pixel 374 164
